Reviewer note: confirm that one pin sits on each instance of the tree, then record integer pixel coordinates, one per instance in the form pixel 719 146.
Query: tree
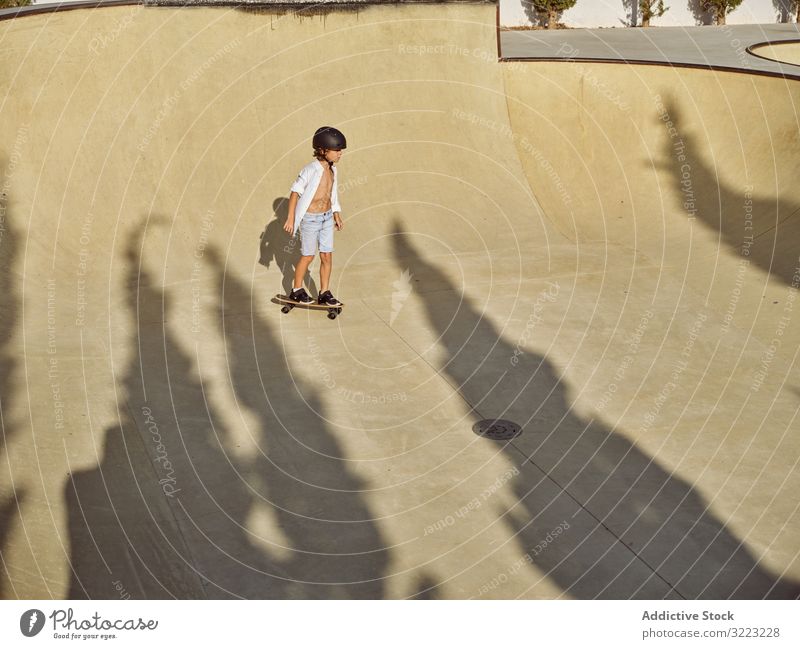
pixel 721 8
pixel 552 8
pixel 5 4
pixel 651 9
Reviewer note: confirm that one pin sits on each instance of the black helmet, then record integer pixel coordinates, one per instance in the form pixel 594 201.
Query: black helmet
pixel 328 137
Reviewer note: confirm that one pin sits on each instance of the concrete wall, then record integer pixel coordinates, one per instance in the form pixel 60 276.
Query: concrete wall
pixel 143 152
pixel 617 13
pixel 187 140
pixel 785 52
pixel 669 162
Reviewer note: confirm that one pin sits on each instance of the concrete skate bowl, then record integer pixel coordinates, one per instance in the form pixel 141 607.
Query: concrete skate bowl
pixel 603 254
pixel 782 51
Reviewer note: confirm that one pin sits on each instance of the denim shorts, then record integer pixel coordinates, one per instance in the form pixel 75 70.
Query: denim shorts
pixel 316 229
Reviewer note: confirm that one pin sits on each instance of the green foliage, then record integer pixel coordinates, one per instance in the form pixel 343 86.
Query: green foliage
pixel 721 6
pixel 5 4
pixel 652 9
pixel 553 5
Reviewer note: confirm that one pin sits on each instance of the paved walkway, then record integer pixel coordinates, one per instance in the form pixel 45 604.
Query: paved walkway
pixel 714 47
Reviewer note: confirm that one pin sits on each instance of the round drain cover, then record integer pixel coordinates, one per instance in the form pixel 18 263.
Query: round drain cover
pixel 500 429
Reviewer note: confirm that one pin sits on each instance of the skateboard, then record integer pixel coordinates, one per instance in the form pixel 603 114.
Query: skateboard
pixel 288 305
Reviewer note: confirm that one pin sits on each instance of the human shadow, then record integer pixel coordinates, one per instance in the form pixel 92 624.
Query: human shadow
pixel 746 220
pixel 124 530
pixel 169 510
pixel 426 589
pixel 9 314
pixel 9 512
pixel 641 532
pixel 701 16
pixel 334 548
pixel 283 249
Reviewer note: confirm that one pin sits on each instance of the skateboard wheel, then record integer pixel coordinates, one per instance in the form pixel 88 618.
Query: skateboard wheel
pixel 332 315
pixel 339 310
pixel 286 309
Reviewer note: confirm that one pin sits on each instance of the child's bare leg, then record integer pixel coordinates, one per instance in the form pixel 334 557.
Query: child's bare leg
pixel 325 265
pixel 301 269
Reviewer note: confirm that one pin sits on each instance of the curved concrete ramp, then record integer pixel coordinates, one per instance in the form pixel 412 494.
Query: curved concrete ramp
pixel 788 52
pixel 516 245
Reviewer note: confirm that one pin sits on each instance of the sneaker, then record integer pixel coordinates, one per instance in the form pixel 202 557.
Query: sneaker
pixel 327 299
pixel 301 296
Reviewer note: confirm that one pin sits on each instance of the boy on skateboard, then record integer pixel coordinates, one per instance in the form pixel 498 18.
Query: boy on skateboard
pixel 314 210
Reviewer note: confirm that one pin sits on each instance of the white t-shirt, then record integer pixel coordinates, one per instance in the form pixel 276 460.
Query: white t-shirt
pixel 306 185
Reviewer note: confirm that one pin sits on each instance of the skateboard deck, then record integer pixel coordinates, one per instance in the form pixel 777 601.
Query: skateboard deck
pixel 289 304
